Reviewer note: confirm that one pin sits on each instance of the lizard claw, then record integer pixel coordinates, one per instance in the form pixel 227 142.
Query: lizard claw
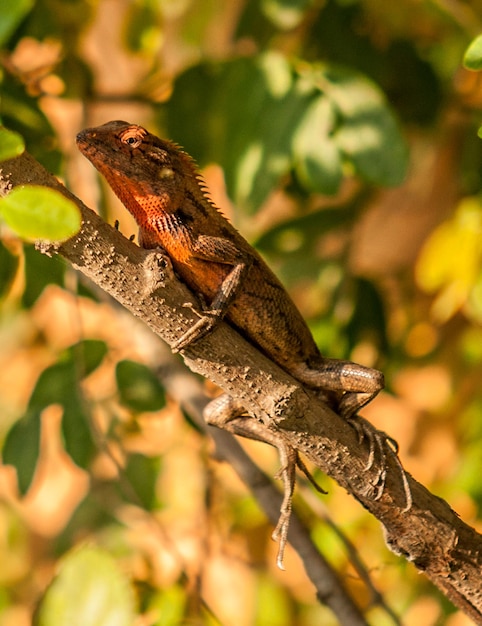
pixel 380 446
pixel 201 328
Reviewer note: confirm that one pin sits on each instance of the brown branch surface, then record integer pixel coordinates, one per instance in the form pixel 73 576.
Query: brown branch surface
pixel 430 534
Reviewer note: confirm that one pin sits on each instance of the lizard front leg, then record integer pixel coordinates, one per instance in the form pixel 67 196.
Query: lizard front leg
pixel 223 252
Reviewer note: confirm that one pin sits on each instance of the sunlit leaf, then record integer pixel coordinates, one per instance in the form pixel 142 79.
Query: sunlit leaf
pixel 473 307
pixel 473 55
pixel 90 588
pixel 12 13
pixel 354 94
pixel 368 133
pixel 272 602
pixel 309 118
pixel 11 144
pixel 471 345
pixel 35 212
pixel 317 161
pixel 143 26
pixel 451 275
pixel 170 605
pixel 256 143
pixel 329 337
pixel 139 388
pixel 249 137
pixel 285 14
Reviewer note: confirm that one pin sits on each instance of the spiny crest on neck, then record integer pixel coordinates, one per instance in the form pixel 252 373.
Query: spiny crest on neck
pixel 167 157
pixel 196 183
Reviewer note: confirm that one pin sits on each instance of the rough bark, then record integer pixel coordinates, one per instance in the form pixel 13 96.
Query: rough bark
pixel 430 534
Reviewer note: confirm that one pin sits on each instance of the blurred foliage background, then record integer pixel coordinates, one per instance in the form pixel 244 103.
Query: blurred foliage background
pixel 341 138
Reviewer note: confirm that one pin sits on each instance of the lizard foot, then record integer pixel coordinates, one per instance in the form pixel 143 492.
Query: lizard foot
pixel 208 319
pixel 380 446
pixel 289 460
pixel 200 329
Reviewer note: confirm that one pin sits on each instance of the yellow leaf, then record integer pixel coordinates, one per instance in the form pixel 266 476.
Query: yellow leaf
pixel 450 261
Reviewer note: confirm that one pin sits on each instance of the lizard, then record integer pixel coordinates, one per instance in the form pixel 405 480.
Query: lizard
pixel 159 184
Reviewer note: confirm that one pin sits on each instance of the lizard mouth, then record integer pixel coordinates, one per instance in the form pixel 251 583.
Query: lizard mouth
pixel 82 141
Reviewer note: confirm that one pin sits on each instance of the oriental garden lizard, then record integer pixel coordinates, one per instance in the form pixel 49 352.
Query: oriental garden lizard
pixel 159 184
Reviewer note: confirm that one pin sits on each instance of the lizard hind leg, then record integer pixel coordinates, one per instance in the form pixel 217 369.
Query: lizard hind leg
pixel 228 413
pixel 355 384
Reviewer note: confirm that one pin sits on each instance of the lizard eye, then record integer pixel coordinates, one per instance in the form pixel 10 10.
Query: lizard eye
pixel 132 138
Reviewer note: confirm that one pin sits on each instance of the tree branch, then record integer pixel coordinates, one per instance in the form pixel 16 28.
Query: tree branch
pixel 430 534
pixel 183 386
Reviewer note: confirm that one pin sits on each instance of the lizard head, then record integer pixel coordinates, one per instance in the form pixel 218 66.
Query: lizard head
pixel 137 163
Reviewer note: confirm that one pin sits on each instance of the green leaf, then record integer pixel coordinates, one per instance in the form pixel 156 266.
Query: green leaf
pixel 12 13
pixel 261 132
pixel 40 271
pixel 368 133
pixel 11 144
pixel 309 118
pixel 285 14
pixel 57 384
pixel 78 440
pixel 317 158
pixel 21 113
pixel 143 26
pixel 60 384
pixel 249 137
pixel 272 602
pixel 88 355
pixel 35 212
pixel 298 237
pixel 473 55
pixel 89 590
pixel 8 268
pixel 21 448
pixel 368 317
pixel 142 473
pixel 170 605
pixel 139 389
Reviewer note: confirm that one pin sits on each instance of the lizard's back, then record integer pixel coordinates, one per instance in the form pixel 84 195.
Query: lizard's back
pixel 159 185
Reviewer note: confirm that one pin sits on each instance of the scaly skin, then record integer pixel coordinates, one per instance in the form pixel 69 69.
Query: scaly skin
pixel 159 185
